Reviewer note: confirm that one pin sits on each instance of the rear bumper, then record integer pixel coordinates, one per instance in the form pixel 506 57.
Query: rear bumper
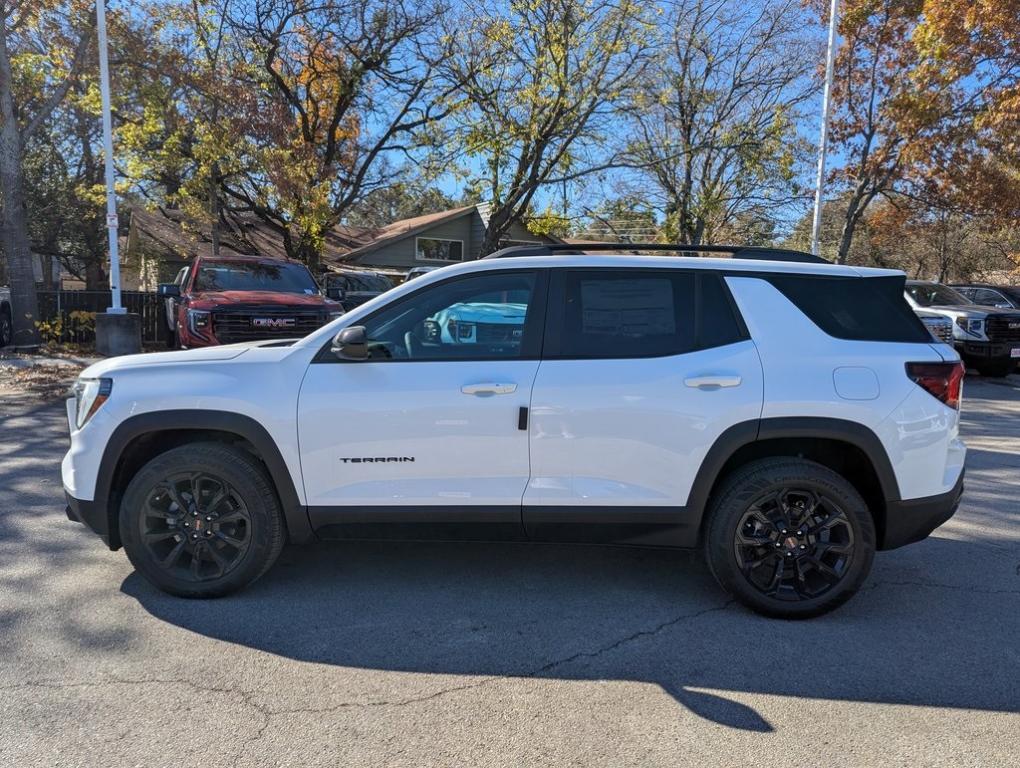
pixel 90 514
pixel 914 519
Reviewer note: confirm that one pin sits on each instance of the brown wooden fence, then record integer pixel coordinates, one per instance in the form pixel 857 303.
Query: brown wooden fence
pixel 78 328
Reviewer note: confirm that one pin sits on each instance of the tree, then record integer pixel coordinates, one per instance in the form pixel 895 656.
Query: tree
pixel 399 200
pixel 44 45
pixel 328 91
pixel 714 124
pixel 541 84
pixel 926 100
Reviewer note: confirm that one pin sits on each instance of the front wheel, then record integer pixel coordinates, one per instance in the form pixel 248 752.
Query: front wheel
pixel 201 520
pixel 789 538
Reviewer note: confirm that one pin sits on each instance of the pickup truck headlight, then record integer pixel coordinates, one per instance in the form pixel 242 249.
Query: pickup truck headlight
pixel 975 327
pixel 198 320
pixel 334 315
pixel 89 396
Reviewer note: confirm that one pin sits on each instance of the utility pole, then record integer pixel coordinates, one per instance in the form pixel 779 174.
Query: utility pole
pixel 117 332
pixel 823 144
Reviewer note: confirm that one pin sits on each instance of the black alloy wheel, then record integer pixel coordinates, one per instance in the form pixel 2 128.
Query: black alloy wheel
pixel 794 544
pixel 196 526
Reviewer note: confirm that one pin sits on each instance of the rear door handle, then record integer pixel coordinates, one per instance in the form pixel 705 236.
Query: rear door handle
pixel 489 388
pixel 713 381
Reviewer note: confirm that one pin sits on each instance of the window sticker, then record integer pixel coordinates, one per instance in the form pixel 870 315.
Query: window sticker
pixel 637 307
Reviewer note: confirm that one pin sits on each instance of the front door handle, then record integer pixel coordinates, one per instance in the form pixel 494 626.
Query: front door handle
pixel 712 381
pixel 489 388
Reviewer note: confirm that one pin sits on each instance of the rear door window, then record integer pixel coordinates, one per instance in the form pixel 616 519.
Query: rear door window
pixel 621 314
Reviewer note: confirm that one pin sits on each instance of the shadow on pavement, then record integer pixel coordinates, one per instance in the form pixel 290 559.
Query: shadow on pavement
pixel 579 613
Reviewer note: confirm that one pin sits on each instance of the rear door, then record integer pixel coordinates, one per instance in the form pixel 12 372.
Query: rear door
pixel 642 371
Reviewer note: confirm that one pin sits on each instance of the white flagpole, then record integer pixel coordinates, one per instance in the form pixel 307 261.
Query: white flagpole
pixel 823 145
pixel 111 199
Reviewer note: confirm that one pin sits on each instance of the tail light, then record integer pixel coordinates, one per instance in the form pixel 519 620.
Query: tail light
pixel 943 381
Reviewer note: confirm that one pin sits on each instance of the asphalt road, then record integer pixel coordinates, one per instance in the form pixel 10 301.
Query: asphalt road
pixel 505 655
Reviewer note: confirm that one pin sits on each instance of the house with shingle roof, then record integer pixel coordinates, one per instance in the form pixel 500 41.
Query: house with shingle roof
pixel 159 243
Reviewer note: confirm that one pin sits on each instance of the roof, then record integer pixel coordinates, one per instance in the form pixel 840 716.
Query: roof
pixel 405 228
pixel 670 262
pixel 240 235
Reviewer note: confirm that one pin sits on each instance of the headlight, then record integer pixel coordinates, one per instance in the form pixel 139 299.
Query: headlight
pixel 89 396
pixel 197 319
pixel 334 315
pixel 972 326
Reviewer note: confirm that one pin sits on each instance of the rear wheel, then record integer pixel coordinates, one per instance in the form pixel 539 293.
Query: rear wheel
pixel 789 538
pixel 201 520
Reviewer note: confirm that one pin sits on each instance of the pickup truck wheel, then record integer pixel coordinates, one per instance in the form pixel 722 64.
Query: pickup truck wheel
pixel 996 368
pixel 201 520
pixel 789 538
pixel 6 327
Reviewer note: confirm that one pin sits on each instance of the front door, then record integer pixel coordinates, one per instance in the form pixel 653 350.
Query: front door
pixel 643 371
pixel 427 437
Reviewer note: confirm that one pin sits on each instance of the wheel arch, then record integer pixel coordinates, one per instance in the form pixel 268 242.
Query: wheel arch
pixel 846 447
pixel 140 438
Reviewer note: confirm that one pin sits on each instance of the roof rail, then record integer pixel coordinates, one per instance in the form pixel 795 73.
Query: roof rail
pixel 756 253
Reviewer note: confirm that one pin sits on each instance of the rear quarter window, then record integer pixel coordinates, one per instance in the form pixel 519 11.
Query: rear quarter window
pixel 855 308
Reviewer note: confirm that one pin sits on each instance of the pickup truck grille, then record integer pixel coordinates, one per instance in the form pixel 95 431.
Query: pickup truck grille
pixel 1003 328
pixel 235 325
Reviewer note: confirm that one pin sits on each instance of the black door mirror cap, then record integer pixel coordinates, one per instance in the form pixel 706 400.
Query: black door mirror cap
pixel 350 343
pixel 169 290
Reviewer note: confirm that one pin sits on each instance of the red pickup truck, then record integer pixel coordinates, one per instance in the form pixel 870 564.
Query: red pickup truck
pixel 223 300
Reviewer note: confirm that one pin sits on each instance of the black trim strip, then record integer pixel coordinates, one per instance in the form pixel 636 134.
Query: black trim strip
pixel 419 522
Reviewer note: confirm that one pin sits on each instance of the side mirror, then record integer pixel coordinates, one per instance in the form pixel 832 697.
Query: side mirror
pixel 336 293
pixel 350 343
pixel 1004 306
pixel 169 291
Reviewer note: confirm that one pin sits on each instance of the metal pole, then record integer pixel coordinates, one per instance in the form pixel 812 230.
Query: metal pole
pixel 823 144
pixel 111 199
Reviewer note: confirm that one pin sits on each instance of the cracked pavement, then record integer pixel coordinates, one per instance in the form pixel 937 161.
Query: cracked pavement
pixel 502 655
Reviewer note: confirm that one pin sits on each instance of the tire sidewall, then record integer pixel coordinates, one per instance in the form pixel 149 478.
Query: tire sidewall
pixel 751 483
pixel 244 475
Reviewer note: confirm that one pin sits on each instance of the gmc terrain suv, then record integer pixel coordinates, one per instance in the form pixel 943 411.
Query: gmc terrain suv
pixel 987 338
pixel 223 300
pixel 786 416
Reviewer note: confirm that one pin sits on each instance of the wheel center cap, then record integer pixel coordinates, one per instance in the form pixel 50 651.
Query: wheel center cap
pixel 791 542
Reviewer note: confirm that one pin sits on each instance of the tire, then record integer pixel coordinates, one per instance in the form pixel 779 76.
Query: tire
pixel 788 575
pixel 997 368
pixel 6 327
pixel 235 534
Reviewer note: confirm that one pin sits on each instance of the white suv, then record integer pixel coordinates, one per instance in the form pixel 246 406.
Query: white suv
pixel 787 416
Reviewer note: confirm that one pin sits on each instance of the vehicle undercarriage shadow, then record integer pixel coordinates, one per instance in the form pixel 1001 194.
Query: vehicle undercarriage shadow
pixel 586 613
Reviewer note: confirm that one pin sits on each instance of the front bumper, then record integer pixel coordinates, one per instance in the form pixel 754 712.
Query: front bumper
pixel 89 513
pixel 988 349
pixel 911 520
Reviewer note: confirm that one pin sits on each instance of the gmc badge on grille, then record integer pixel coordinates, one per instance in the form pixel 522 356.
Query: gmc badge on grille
pixel 272 322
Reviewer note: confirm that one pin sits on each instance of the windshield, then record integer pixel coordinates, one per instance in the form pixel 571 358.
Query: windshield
pixel 254 276
pixel 933 294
